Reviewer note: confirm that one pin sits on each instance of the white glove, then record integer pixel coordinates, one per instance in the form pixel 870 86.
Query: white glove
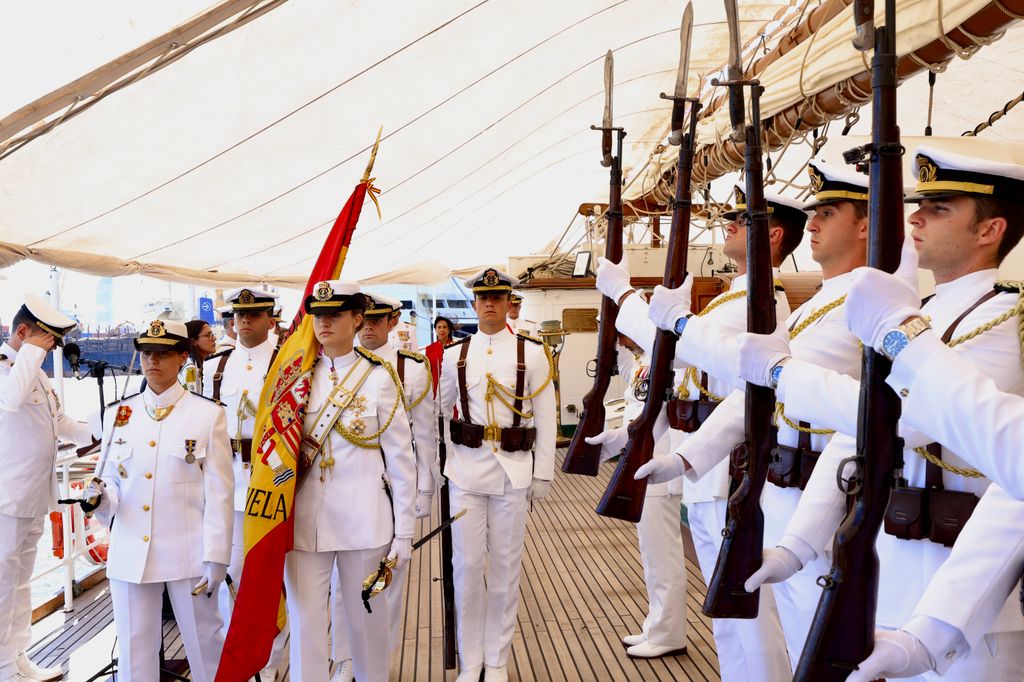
pixel 907 271
pixel 213 576
pixel 897 653
pixel 668 305
pixel 662 469
pixel 538 490
pixel 423 500
pixel 612 279
pixel 96 491
pixel 757 354
pixel 778 564
pixel 401 551
pixel 611 441
pixel 878 303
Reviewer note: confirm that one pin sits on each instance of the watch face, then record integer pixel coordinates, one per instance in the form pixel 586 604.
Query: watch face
pixel 680 325
pixel 776 374
pixel 893 342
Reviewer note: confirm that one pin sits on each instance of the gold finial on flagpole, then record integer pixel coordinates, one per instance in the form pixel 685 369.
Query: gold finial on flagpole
pixel 373 155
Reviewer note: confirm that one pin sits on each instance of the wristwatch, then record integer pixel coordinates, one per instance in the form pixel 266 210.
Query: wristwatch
pixel 681 324
pixel 895 340
pixel 776 373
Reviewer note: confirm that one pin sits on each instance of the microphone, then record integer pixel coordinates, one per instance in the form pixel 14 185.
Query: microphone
pixel 73 354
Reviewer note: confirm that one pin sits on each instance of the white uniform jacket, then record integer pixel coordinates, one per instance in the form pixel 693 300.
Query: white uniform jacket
pixel 244 374
pixel 31 420
pixel 721 323
pixel 823 396
pixel 169 486
pixel 350 508
pixel 636 370
pixel 483 470
pixel 970 590
pixel 945 396
pixel 423 417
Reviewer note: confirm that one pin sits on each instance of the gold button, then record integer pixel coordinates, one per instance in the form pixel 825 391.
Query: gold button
pixel 149 474
pixel 904 392
pixel 152 443
pixel 145 538
pixel 145 507
pixel 490 351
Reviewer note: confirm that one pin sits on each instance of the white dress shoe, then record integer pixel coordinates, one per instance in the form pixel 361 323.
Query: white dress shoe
pixel 633 640
pixel 495 673
pixel 344 671
pixel 33 672
pixel 648 650
pixel 470 675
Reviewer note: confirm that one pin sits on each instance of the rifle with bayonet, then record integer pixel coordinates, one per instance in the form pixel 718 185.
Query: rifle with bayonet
pixel 447 568
pixel 843 630
pixel 624 498
pixel 743 536
pixel 582 457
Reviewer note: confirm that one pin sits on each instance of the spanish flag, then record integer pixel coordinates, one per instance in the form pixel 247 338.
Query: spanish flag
pixel 278 467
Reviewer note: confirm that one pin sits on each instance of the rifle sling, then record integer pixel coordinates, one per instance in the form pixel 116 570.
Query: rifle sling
pixel 520 380
pixel 463 391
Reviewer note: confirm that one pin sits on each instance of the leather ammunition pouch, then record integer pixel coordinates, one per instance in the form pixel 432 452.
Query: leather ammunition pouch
pixel 688 415
pixel 242 448
pixel 932 513
pixel 466 433
pixel 791 467
pixel 518 438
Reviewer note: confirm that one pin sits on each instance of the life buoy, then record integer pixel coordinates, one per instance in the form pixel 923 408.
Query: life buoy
pixel 96 536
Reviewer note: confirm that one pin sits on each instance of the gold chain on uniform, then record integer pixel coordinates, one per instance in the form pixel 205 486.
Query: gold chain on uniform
pixel 507 396
pixel 429 384
pixel 371 441
pixel 1016 311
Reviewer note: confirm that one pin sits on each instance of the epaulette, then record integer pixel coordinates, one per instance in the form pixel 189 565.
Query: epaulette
pixel 121 400
pixel 779 287
pixel 375 359
pixel 2 357
pixel 1009 286
pixel 418 357
pixel 524 335
pixel 464 339
pixel 212 400
pixel 218 354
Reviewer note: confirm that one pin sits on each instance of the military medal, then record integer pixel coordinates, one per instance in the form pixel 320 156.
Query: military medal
pixel 190 446
pixel 121 471
pixel 123 414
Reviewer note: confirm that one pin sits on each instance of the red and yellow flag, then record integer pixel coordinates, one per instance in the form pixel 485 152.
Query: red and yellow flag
pixel 278 466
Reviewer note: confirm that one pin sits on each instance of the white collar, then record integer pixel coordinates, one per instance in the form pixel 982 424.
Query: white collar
pixel 168 397
pixel 979 279
pixel 5 349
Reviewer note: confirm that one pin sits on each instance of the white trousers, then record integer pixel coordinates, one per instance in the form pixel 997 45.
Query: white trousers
pixel 341 650
pixel 138 623
pixel 797 600
pixel 18 539
pixel 664 562
pixel 491 534
pixel 307 578
pixel 227 604
pixel 998 657
pixel 749 650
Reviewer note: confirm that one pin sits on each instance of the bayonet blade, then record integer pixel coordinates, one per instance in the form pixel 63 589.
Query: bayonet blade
pixel 682 76
pixel 734 71
pixel 606 123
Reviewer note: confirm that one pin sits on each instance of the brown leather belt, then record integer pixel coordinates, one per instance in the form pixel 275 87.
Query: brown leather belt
pixel 243 448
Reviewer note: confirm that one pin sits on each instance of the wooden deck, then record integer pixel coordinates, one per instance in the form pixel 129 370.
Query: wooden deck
pixel 582 590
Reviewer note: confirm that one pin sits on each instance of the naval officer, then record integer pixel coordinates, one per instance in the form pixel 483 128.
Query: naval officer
pixel 501 458
pixel 165 474
pixel 31 420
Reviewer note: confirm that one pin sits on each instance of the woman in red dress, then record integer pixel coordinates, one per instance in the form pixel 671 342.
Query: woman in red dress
pixel 443 329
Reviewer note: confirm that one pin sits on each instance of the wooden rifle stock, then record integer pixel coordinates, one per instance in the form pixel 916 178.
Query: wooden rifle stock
pixel 582 457
pixel 624 497
pixel 843 630
pixel 447 569
pixel 743 537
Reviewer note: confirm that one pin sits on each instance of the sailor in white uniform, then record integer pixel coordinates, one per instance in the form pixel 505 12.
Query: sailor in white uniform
pixel 355 507
pixel 166 477
pixel 413 369
pixel 501 458
pixel 227 317
pixel 962 230
pixel 747 649
pixel 31 421
pixel 235 378
pixel 515 321
pixel 661 544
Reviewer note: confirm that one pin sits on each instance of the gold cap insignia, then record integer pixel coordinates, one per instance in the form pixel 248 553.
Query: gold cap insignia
pixel 246 297
pixel 926 169
pixel 491 279
pixel 817 179
pixel 323 291
pixel 741 197
pixel 156 329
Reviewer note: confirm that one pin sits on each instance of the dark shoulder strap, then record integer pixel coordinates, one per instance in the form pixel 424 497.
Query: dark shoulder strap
pixel 218 376
pixel 517 406
pixel 804 439
pixel 948 336
pixel 463 391
pixel 400 368
pixel 933 474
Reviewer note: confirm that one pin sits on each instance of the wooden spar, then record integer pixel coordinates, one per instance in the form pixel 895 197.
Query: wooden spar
pixel 157 53
pixel 713 161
